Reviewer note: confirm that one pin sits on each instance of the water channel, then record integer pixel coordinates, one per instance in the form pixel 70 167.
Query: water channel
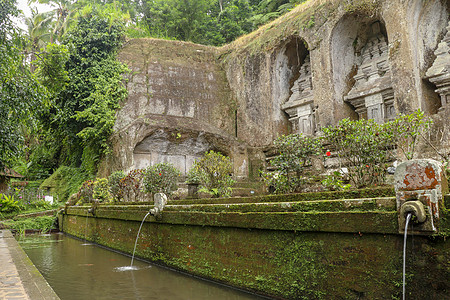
pixel 77 271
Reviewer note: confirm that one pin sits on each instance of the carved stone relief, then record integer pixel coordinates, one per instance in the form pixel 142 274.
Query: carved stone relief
pixel 158 148
pixel 439 72
pixel 300 106
pixel 372 95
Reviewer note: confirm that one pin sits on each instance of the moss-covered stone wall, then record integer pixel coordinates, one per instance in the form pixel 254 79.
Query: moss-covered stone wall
pixel 329 249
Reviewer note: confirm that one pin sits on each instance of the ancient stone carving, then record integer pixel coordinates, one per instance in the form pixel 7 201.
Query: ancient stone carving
pixel 300 106
pixel 439 72
pixel 372 95
pixel 163 147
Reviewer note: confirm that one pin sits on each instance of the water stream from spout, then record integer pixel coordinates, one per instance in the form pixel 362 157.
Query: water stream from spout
pixel 137 237
pixel 408 218
pixel 85 230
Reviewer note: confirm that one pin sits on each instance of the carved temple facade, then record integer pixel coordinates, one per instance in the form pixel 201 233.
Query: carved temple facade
pixel 324 61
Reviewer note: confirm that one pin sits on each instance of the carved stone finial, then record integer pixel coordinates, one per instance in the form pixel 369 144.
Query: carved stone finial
pixel 439 72
pixel 372 95
pixel 300 107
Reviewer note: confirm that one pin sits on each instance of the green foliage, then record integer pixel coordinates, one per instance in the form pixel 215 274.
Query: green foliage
pixel 51 67
pixel 334 182
pixel 207 22
pixel 114 185
pixel 20 93
pixel 43 224
pixel 160 178
pixel 82 113
pixel 130 186
pixel 193 176
pixel 8 204
pixel 364 147
pixel 295 152
pixel 43 159
pixel 406 130
pixel 215 171
pixel 65 181
pixel 278 183
pixel 38 30
pixel 234 20
pixel 101 190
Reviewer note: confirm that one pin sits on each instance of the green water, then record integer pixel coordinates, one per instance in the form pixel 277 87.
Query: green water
pixel 77 271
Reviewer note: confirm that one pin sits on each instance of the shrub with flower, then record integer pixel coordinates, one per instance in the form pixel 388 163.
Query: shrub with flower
pixel 366 147
pixel 161 178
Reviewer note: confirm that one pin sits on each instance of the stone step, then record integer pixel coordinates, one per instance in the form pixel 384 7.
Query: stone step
pixel 375 204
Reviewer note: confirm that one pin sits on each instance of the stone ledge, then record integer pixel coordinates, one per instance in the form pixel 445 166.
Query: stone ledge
pixel 35 286
pixel 384 222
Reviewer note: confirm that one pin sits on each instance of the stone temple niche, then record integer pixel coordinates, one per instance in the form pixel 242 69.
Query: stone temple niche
pixel 439 72
pixel 372 95
pixel 174 148
pixel 300 105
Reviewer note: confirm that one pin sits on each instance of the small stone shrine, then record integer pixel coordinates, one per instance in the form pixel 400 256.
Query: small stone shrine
pixel 300 106
pixel 439 72
pixel 372 95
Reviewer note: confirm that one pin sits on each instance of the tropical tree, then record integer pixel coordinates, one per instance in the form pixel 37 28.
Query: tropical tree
pixel 234 20
pixel 64 12
pixel 84 110
pixel 38 31
pixel 20 93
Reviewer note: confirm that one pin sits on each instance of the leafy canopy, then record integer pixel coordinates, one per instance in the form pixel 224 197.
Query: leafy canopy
pixel 20 92
pixel 83 114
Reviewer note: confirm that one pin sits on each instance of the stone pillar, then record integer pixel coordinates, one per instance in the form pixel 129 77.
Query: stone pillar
pixel 420 186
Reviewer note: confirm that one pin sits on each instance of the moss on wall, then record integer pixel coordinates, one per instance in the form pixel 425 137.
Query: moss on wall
pixel 64 182
pixel 330 249
pixel 286 263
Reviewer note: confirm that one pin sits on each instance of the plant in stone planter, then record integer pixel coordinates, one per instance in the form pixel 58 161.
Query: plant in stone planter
pixel 160 178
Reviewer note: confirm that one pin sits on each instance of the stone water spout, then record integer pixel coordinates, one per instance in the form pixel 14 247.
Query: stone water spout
pixel 160 200
pixel 416 209
pixel 420 186
pixel 93 207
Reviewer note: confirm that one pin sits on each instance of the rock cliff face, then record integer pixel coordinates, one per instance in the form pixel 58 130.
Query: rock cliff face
pixel 324 61
pixel 179 106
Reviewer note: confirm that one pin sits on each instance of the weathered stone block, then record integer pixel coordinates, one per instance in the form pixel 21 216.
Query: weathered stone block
pixel 424 181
